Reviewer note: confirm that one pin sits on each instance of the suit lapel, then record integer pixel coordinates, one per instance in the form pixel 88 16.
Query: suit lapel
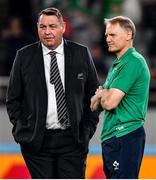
pixel 68 61
pixel 39 64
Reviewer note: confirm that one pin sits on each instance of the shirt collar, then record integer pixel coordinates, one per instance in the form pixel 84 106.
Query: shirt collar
pixel 117 61
pixel 59 49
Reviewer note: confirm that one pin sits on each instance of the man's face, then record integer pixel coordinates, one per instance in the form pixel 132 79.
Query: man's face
pixel 50 31
pixel 117 38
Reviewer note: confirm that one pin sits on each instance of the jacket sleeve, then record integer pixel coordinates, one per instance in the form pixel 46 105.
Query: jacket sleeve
pixel 15 91
pixel 92 84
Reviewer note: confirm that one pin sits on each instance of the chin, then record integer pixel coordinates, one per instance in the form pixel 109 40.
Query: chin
pixel 110 50
pixel 50 46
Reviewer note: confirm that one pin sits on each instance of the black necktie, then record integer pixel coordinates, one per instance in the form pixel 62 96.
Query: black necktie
pixel 55 79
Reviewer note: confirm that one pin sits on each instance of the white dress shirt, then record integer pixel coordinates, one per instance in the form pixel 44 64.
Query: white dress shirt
pixel 52 118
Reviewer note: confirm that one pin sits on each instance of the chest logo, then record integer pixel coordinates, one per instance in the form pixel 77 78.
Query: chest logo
pixel 116 165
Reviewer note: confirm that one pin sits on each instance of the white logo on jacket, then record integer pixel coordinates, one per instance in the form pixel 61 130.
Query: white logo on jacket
pixel 116 165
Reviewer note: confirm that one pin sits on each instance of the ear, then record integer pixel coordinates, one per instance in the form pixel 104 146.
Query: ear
pixel 129 35
pixel 64 26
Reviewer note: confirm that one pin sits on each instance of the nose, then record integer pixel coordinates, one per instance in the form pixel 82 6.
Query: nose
pixel 47 31
pixel 108 39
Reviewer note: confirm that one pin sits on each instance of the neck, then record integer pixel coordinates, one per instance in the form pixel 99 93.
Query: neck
pixel 121 52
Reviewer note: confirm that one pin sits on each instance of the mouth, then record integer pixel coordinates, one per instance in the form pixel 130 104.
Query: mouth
pixel 49 38
pixel 110 45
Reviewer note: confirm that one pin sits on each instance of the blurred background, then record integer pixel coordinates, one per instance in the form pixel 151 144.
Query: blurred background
pixel 85 25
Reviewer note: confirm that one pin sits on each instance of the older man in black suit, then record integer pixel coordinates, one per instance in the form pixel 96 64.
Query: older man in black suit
pixel 48 101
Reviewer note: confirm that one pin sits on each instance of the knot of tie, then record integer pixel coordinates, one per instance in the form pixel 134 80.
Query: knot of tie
pixel 52 53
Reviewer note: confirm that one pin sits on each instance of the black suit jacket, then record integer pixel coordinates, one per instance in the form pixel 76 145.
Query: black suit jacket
pixel 27 94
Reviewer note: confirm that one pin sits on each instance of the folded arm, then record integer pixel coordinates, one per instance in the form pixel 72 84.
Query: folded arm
pixel 107 99
pixel 111 98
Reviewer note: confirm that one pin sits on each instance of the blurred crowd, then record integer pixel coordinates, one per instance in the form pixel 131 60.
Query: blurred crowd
pixel 85 25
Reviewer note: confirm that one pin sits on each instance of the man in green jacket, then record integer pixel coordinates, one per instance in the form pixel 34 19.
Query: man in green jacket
pixel 124 97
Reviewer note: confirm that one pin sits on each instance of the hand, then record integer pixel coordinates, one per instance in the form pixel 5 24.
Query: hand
pixel 95 100
pixel 99 90
pixel 102 101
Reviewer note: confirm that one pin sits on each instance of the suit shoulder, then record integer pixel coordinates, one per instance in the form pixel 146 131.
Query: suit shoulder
pixel 30 47
pixel 75 45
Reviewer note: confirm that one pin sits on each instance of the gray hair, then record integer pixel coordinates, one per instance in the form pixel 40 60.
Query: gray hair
pixel 124 22
pixel 51 12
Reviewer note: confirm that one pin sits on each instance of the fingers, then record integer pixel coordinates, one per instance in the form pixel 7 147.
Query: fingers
pixel 102 101
pixel 99 90
pixel 95 100
pixel 94 106
pixel 100 87
pixel 94 103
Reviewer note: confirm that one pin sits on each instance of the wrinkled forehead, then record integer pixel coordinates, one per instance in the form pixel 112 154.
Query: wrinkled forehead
pixel 110 25
pixel 51 18
pixel 113 28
